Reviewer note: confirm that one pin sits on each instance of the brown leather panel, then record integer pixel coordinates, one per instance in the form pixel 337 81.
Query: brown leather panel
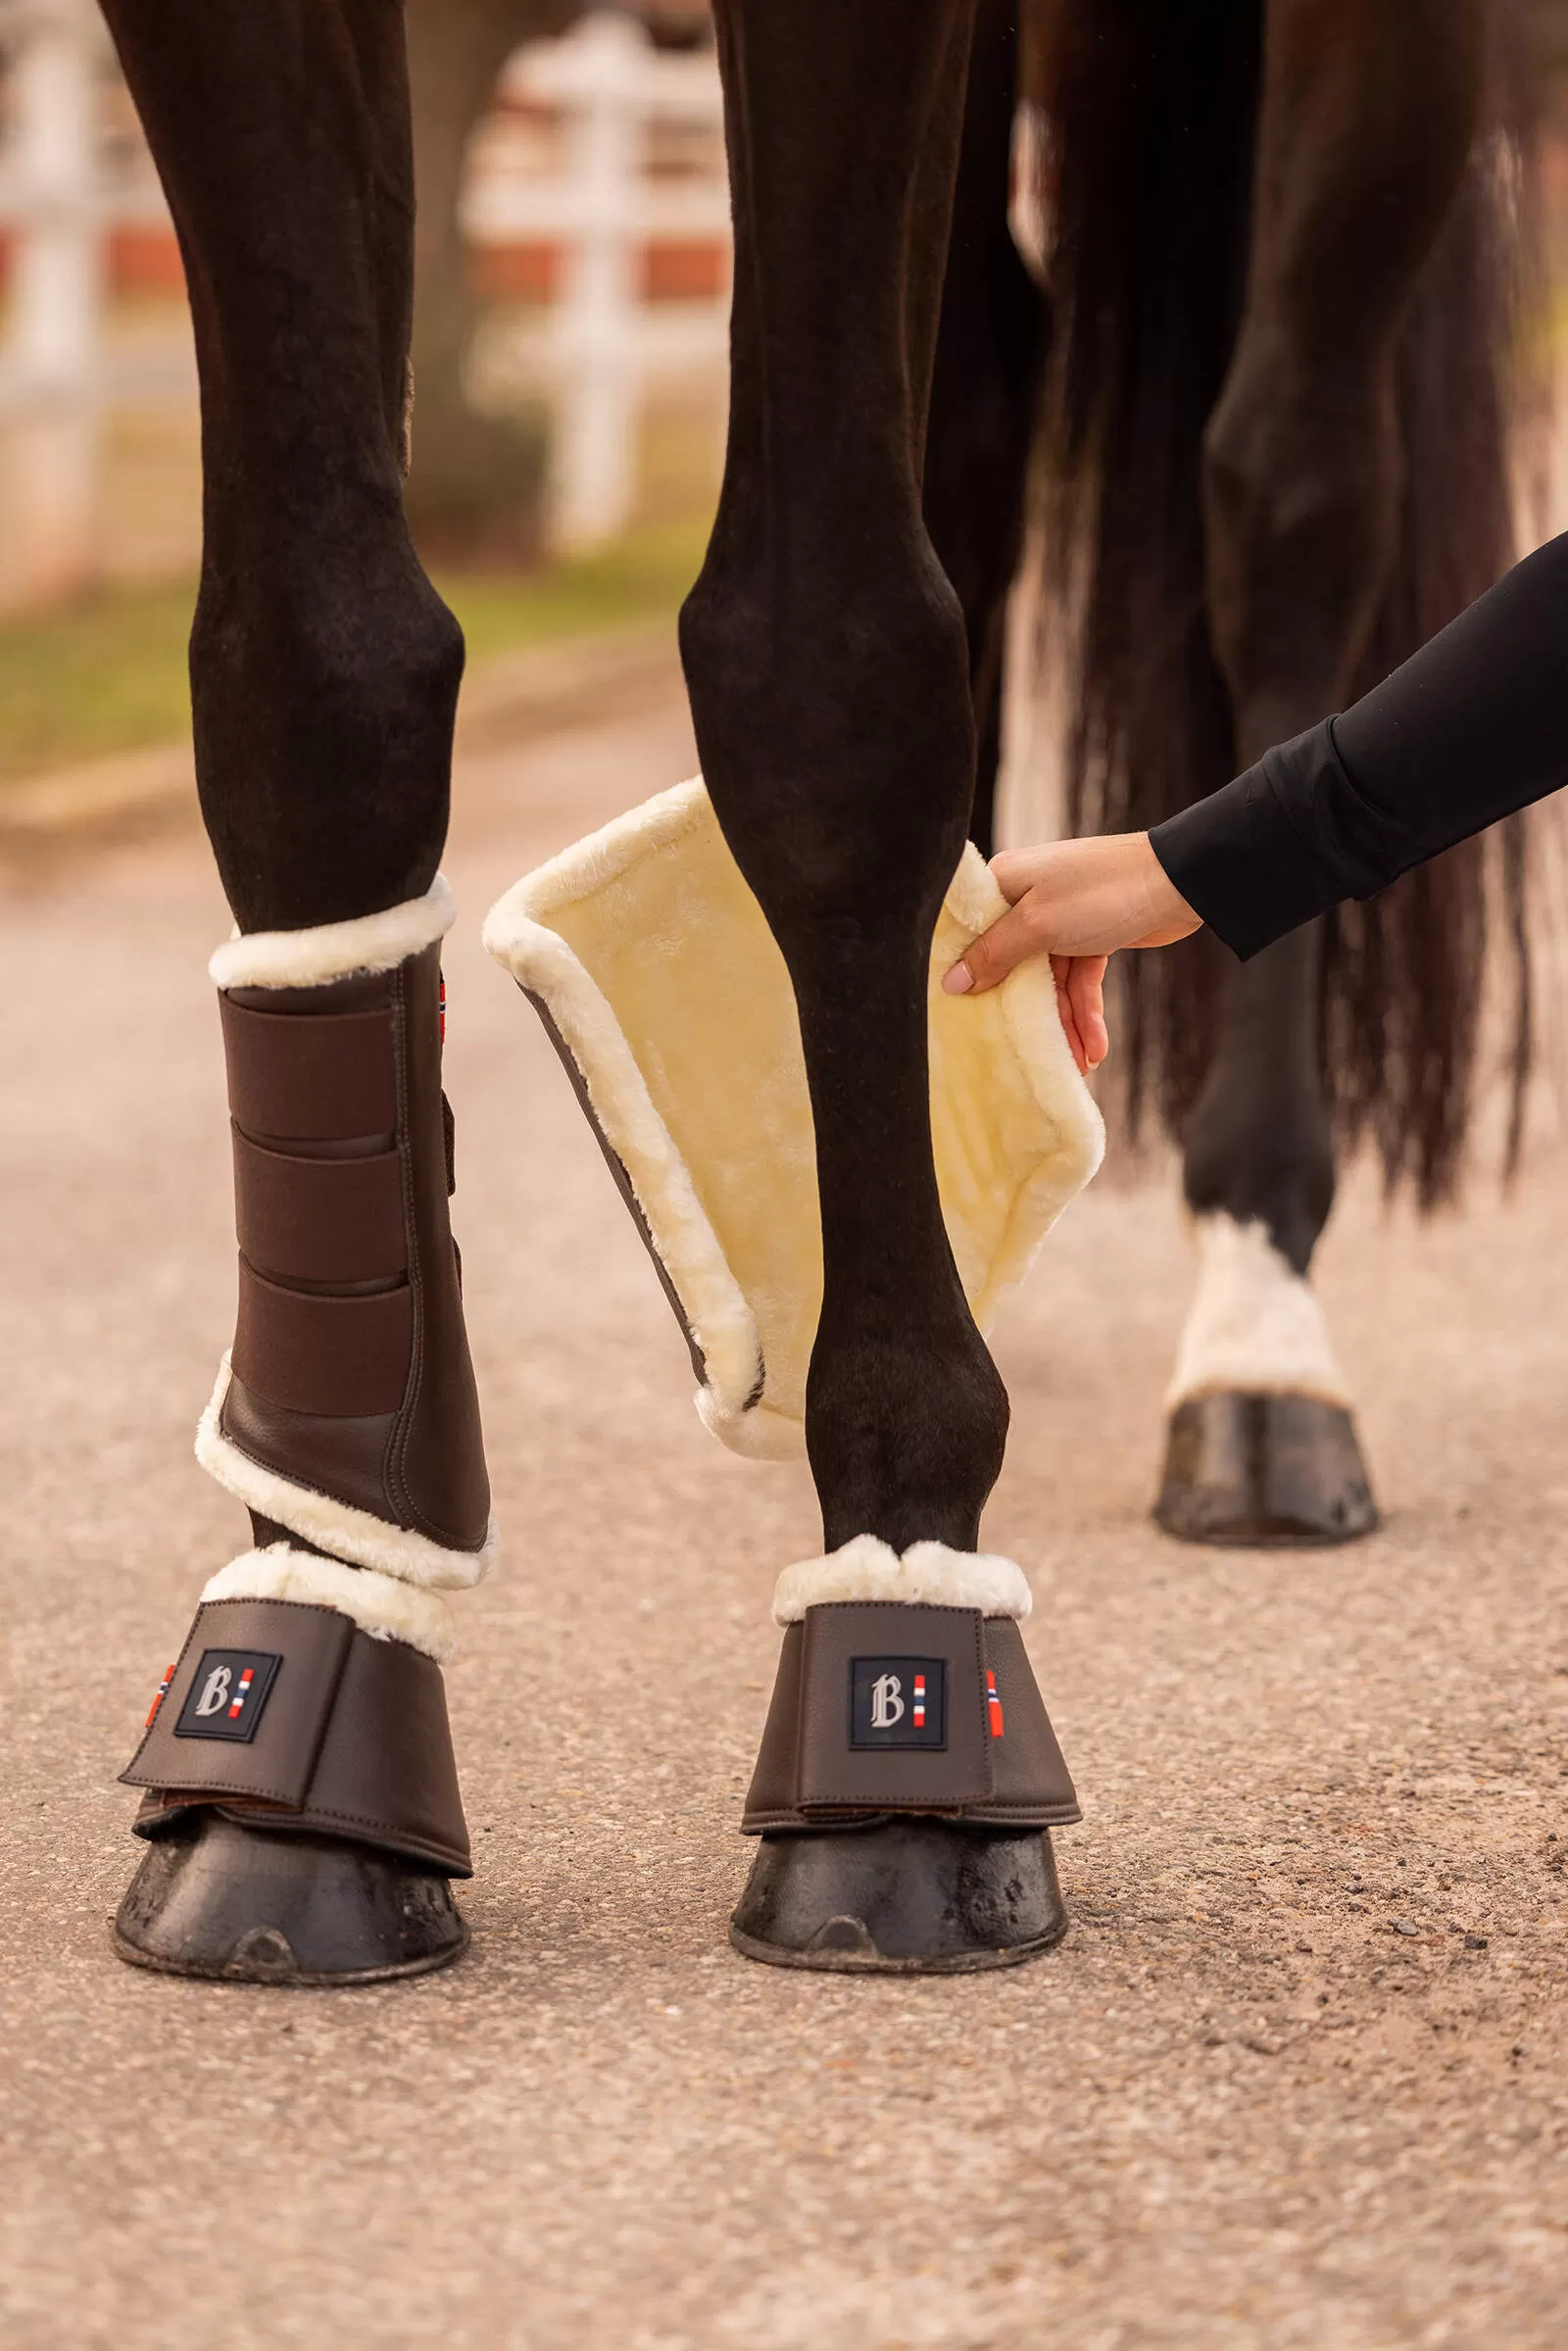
pixel 809 1774
pixel 365 1748
pixel 1028 1774
pixel 773 1788
pixel 830 1773
pixel 320 1078
pixel 347 1355
pixel 386 1773
pixel 279 1761
pixel 318 1220
pixel 436 1472
pixel 344 1455
pixel 362 992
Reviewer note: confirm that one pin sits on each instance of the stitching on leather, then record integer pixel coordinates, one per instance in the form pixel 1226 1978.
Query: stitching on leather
pixel 362 1820
pixel 395 1473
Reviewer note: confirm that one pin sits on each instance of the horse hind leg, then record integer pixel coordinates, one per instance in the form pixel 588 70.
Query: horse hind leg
pixel 301 1809
pixel 827 657
pixel 1367 123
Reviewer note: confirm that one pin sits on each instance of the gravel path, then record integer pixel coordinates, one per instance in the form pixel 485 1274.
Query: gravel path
pixel 1297 2076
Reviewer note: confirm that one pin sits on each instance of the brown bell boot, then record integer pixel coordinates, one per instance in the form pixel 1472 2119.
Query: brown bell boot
pixel 302 1803
pixel 908 1777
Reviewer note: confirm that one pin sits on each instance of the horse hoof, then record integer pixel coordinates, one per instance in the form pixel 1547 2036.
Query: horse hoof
pixel 902 1898
pixel 1263 1470
pixel 270 1906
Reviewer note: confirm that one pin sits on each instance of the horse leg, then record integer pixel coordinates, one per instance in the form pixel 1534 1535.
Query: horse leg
pixel 827 662
pixel 301 1805
pixel 1366 126
pixel 991 346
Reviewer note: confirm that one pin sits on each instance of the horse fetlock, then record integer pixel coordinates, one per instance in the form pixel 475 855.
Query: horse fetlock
pixel 906 1433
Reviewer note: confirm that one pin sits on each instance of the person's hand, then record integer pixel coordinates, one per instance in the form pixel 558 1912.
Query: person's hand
pixel 1076 901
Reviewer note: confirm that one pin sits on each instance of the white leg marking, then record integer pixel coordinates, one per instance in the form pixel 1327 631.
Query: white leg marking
pixel 1256 1325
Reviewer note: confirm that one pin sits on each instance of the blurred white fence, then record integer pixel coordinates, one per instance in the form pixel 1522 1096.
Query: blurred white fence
pixel 50 201
pixel 600 345
pixel 600 147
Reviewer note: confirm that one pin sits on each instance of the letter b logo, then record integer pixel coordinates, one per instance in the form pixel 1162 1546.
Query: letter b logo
pixel 887 1701
pixel 215 1691
pixel 228 1693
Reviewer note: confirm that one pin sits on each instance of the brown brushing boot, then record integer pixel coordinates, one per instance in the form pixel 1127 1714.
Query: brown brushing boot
pixel 302 1807
pixel 908 1777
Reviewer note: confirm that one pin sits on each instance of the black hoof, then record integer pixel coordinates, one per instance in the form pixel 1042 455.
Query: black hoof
pixel 266 1906
pixel 902 1898
pixel 1264 1470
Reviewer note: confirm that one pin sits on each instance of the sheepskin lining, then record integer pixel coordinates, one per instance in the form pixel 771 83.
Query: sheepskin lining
pixel 928 1575
pixel 667 989
pixel 336 950
pixel 351 1534
pixel 379 1605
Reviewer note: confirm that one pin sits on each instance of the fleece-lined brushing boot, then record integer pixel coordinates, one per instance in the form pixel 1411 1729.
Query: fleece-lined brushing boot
pixel 908 1777
pixel 663 992
pixel 302 1799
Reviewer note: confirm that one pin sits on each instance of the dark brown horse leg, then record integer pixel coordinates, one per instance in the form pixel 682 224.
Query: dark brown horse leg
pixel 828 667
pixel 984 392
pixel 1368 121
pixel 301 1808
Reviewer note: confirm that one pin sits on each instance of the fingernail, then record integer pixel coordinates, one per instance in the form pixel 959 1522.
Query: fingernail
pixel 958 981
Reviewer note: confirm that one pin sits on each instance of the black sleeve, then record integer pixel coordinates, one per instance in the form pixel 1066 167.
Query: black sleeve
pixel 1470 728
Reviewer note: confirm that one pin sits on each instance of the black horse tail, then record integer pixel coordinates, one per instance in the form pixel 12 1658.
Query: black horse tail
pixel 1146 196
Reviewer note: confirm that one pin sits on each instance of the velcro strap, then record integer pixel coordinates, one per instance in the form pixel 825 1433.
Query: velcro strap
pixel 332 1355
pixel 321 1077
pixel 287 1703
pixel 320 1220
pixel 246 1705
pixel 863 1738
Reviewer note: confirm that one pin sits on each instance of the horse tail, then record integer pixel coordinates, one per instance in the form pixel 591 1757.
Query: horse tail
pixel 1147 167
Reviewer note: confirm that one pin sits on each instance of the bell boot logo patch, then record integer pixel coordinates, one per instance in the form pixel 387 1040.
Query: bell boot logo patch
pixel 898 1702
pixel 227 1695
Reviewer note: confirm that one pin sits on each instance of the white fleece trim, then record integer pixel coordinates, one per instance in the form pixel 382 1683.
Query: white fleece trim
pixel 379 1605
pixel 335 951
pixel 517 935
pixel 351 1534
pixel 1256 1326
pixel 928 1576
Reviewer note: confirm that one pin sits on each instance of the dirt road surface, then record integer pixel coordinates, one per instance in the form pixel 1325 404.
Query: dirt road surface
pixel 1297 2076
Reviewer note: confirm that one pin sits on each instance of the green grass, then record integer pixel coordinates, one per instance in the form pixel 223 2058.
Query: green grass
pixel 108 674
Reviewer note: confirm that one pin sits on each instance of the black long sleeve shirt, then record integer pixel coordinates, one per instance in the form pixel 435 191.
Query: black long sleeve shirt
pixel 1470 728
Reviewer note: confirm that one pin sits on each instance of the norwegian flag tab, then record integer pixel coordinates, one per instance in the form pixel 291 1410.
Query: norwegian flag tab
pixel 162 1693
pixel 228 1693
